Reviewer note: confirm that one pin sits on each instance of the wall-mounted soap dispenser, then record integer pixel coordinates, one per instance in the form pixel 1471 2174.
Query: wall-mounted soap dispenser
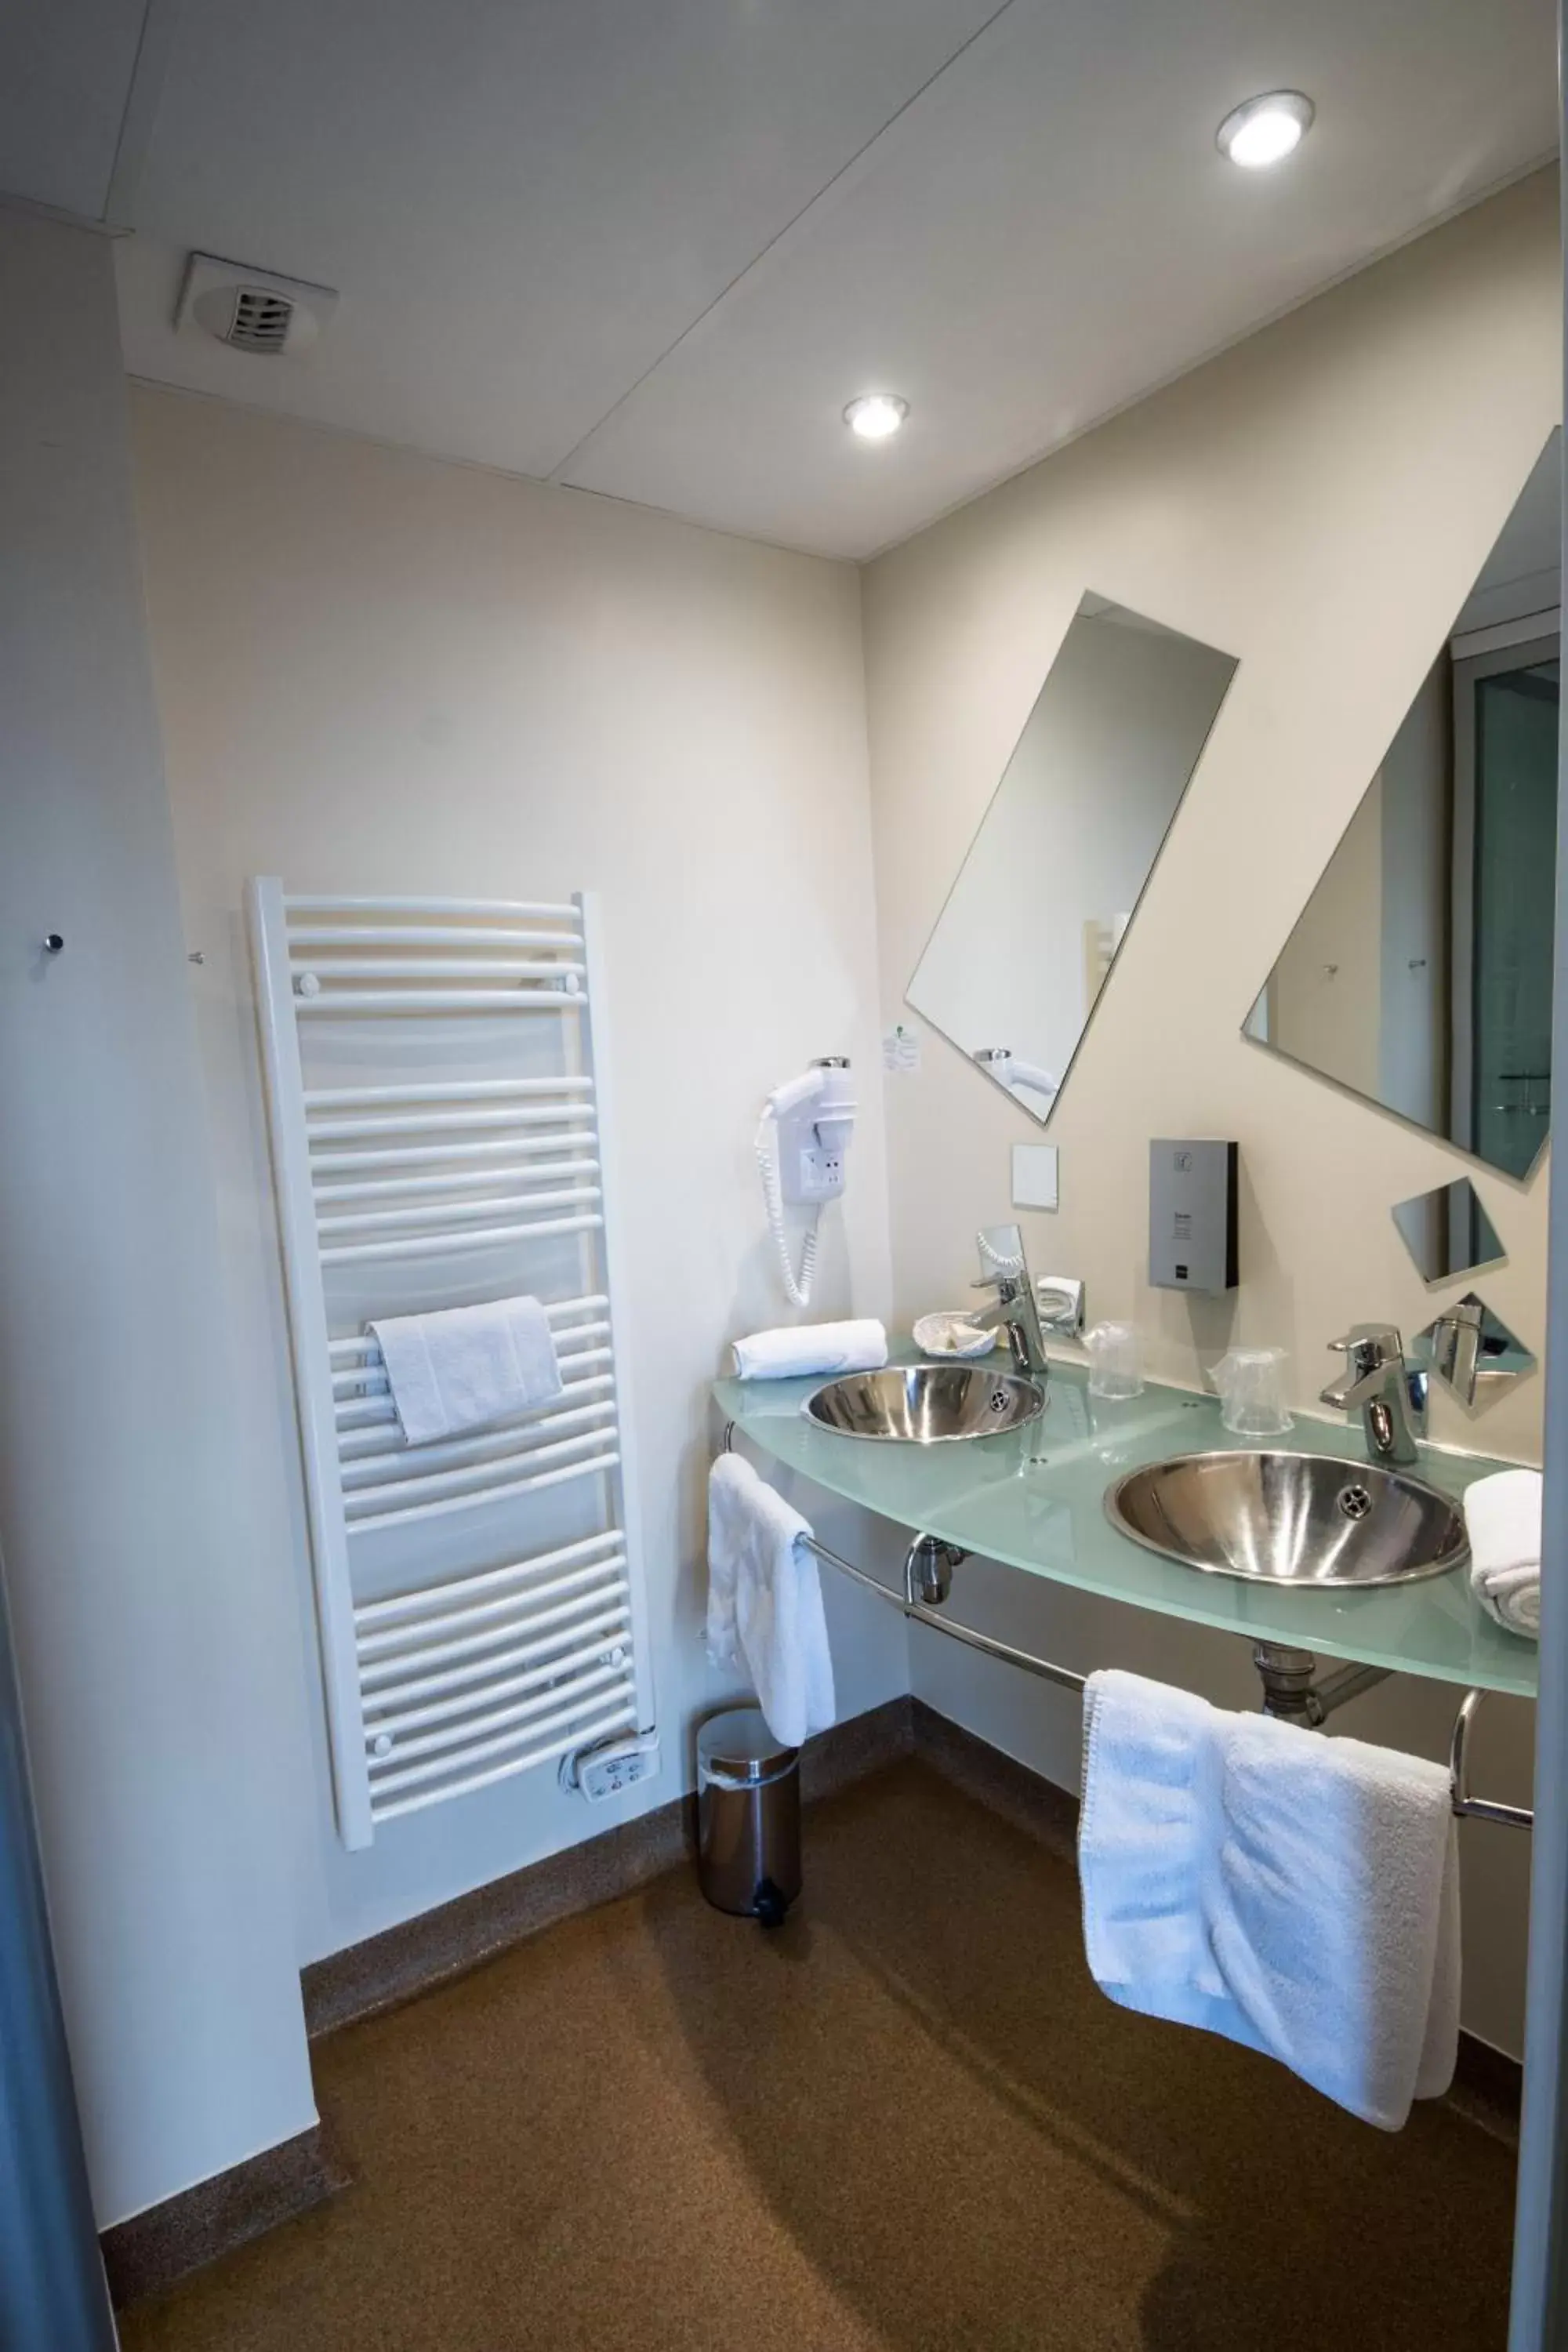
pixel 1192 1214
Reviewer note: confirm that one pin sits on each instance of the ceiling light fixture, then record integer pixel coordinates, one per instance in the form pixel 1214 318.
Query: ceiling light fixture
pixel 1266 128
pixel 876 415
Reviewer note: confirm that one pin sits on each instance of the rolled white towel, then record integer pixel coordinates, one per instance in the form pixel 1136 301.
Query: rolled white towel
pixel 1502 1514
pixel 789 1353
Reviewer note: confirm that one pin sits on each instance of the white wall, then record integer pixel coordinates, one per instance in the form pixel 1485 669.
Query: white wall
pixel 133 1582
pixel 1318 502
pixel 378 672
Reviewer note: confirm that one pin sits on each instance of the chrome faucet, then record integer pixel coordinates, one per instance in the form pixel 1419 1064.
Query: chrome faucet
pixel 1016 1310
pixel 1391 1394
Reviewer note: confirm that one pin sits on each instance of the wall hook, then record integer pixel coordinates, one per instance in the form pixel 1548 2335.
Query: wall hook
pixel 53 942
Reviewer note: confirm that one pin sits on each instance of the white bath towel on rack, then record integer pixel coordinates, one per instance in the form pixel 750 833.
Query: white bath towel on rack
pixel 1294 1893
pixel 764 1600
pixel 465 1367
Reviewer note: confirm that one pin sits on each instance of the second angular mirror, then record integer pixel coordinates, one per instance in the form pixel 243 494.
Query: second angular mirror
pixel 1038 909
pixel 1419 974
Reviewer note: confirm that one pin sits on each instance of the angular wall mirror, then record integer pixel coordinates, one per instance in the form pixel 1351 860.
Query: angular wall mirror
pixel 1038 909
pixel 1447 1231
pixel 1472 1351
pixel 1419 974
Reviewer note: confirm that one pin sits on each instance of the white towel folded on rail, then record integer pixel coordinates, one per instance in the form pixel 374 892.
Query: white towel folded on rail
pixel 463 1367
pixel 765 1601
pixel 1294 1893
pixel 794 1349
pixel 1502 1514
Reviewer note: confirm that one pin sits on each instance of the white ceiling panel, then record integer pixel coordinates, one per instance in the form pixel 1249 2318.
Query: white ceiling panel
pixel 1051 231
pixel 651 248
pixel 524 203
pixel 67 68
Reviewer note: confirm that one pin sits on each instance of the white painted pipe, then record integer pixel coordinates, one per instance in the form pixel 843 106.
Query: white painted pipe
pixel 372 1220
pixel 480 1626
pixel 524 1758
pixel 432 1000
pixel 467 1687
pixel 495 1720
pixel 432 968
pixel 469 1592
pixel 379 1187
pixel 428 935
pixel 595 1463
pixel 472 1477
pixel 361 1342
pixel 481 1237
pixel 317 902
pixel 447 1090
pixel 431 1155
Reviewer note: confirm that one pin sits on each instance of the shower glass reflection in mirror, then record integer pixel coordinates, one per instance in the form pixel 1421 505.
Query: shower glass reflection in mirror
pixel 1447 1231
pixel 1419 974
pixel 1038 910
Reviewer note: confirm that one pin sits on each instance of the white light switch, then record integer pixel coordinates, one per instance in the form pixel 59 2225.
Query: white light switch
pixel 1036 1182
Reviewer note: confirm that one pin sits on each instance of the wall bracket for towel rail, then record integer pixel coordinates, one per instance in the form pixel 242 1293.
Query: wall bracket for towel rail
pixel 1290 1689
pixel 439 1108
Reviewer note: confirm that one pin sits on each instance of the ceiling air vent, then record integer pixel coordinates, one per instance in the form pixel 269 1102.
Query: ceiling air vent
pixel 259 322
pixel 252 309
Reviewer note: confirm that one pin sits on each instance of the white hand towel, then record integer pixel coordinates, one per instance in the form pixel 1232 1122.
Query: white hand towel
pixel 791 1352
pixel 765 1601
pixel 463 1367
pixel 1502 1514
pixel 1297 1893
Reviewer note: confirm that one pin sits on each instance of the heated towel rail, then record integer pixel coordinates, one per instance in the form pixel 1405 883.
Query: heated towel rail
pixel 439 1107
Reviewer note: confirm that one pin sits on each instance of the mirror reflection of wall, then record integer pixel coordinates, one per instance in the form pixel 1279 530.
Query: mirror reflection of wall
pixel 1420 972
pixel 1043 901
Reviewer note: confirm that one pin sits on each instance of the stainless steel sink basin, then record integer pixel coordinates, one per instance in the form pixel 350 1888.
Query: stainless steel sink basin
pixel 926 1404
pixel 1290 1518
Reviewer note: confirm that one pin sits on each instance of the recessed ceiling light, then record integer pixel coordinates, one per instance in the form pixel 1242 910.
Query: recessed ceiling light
pixel 876 415
pixel 1266 128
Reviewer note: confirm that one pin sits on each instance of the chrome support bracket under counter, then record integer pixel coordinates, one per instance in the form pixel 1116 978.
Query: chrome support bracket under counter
pixel 1291 1692
pixel 1290 1689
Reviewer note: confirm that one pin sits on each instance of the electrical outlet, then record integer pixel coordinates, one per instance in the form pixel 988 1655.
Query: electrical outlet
pixel 821 1174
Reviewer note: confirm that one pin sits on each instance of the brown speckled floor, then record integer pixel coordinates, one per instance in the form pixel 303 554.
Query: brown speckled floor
pixel 906 2122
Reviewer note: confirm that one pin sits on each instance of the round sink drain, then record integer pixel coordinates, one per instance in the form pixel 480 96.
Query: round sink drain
pixel 1354 1502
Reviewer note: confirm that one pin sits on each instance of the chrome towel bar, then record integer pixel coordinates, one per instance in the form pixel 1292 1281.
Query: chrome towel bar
pixel 1478 1809
pixel 928 1566
pixel 1063 1677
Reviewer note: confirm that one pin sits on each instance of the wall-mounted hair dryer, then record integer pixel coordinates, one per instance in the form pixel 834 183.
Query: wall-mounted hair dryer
pixel 802 1144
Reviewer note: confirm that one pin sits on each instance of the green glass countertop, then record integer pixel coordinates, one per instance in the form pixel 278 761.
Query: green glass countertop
pixel 1035 1498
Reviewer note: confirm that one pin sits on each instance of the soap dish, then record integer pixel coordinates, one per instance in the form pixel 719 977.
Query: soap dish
pixel 952 1334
